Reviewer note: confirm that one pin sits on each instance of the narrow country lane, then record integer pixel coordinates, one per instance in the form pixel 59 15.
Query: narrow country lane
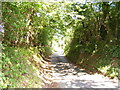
pixel 66 75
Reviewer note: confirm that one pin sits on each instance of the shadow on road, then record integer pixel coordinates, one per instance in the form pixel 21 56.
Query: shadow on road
pixel 68 75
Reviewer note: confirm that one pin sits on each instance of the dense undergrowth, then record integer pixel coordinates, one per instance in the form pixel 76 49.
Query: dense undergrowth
pixel 20 67
pixel 104 61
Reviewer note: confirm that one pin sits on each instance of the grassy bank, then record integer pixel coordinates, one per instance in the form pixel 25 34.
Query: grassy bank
pixel 104 60
pixel 20 68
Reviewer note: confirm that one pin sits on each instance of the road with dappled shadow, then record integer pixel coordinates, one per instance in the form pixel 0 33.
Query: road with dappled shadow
pixel 67 75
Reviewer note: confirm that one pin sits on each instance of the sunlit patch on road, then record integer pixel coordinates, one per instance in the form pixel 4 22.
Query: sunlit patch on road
pixel 66 75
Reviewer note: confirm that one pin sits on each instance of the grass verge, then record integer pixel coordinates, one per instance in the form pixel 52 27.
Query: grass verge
pixel 18 68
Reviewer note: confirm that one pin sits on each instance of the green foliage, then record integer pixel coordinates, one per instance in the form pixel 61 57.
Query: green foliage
pixel 90 34
pixel 17 69
pixel 95 45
